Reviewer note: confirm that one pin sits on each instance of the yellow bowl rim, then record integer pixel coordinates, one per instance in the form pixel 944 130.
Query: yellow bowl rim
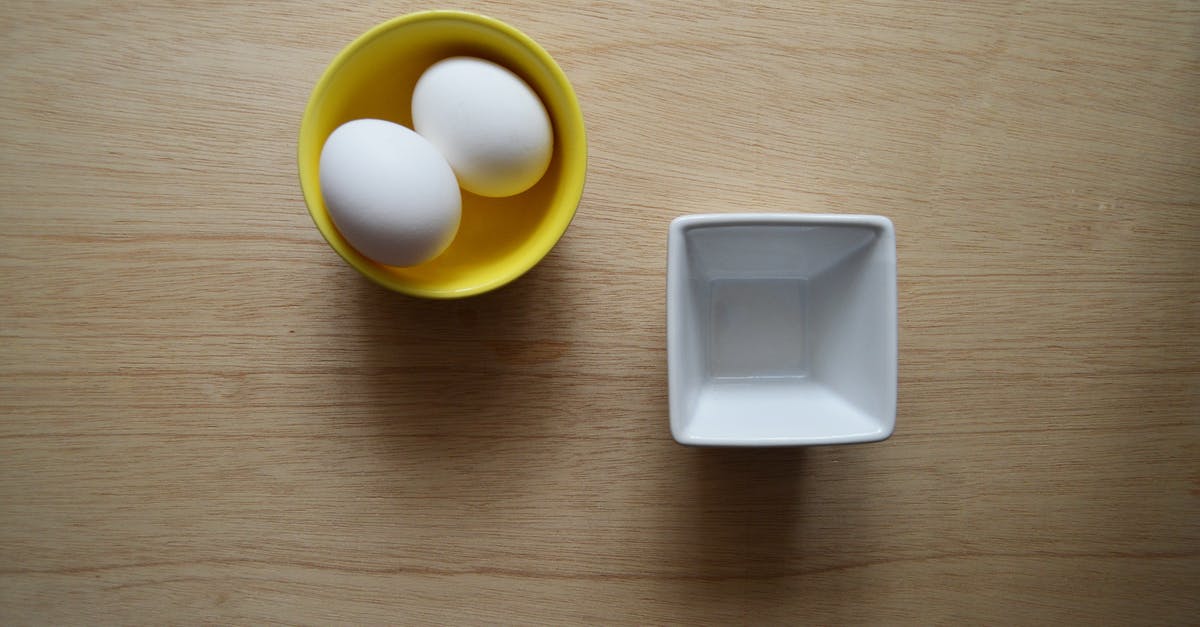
pixel 574 124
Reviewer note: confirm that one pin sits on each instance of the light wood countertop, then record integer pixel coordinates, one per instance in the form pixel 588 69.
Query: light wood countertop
pixel 206 416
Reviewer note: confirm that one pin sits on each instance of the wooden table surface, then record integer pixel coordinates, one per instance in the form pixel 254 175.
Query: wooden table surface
pixel 205 416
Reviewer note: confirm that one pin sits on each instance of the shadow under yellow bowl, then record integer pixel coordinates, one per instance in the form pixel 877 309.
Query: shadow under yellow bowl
pixel 499 239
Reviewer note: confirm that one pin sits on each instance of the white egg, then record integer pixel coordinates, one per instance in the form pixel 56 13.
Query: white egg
pixel 490 125
pixel 390 192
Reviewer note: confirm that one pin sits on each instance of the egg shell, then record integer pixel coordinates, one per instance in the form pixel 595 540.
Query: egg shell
pixel 390 192
pixel 489 124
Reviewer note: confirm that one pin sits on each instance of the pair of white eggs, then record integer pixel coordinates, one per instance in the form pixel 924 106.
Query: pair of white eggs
pixel 394 194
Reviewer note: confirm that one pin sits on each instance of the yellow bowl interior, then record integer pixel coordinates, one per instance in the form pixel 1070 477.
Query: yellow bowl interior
pixel 499 239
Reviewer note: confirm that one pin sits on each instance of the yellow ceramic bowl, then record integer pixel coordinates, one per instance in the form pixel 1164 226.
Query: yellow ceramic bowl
pixel 499 239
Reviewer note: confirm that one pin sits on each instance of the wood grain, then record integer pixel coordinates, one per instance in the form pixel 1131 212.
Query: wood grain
pixel 208 418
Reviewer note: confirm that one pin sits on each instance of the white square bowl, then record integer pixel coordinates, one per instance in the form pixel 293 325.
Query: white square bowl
pixel 781 329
